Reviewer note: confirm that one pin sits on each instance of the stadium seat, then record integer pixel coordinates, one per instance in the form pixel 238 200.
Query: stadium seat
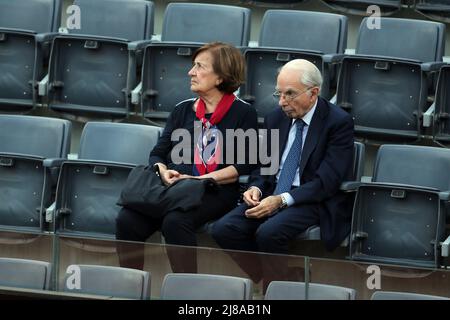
pixel 26 142
pixel 93 69
pixel 286 35
pixel 389 295
pixel 186 27
pixel 191 286
pixel 108 281
pixel 23 273
pixel 438 10
pixel 386 84
pixel 313 232
pixel 272 3
pixel 26 28
pixel 441 114
pixel 360 7
pixel 400 217
pixel 88 188
pixel 290 290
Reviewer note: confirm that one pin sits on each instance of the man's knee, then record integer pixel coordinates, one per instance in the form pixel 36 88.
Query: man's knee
pixel 269 239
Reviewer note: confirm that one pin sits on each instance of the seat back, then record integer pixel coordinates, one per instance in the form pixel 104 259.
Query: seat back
pixel 385 63
pixel 118 142
pixel 34 15
pixel 189 286
pixel 278 44
pixel 186 26
pixel 130 20
pixel 361 7
pixel 91 71
pixel 37 136
pixel 22 59
pixel 312 31
pixel 290 290
pixel 390 295
pixel 438 10
pixel 202 22
pixel 109 281
pixel 399 218
pixel 23 273
pixel 89 187
pixel 388 40
pixel 25 187
pixel 413 165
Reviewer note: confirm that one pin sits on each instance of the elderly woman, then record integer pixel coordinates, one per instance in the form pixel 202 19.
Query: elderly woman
pixel 218 70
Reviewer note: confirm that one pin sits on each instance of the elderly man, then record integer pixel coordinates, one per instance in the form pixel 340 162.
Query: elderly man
pixel 315 156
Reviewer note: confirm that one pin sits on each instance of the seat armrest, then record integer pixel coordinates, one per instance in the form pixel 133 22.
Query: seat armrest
pixel 444 247
pixel 444 196
pixel 428 116
pixel 138 45
pixel 349 186
pixel 53 162
pixel 42 86
pixel 50 213
pixel 333 58
pixel 244 179
pixel 136 94
pixel 431 66
pixel 45 37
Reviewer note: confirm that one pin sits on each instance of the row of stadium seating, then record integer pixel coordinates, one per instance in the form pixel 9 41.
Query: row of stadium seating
pixel 398 218
pixel 433 9
pixel 108 281
pixel 394 86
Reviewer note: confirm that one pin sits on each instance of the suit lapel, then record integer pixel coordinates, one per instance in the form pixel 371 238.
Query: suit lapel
pixel 284 133
pixel 314 131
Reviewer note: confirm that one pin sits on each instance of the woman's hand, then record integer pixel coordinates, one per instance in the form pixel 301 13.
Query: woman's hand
pixel 169 176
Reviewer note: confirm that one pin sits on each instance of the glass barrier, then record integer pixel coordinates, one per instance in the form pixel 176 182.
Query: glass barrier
pixel 366 278
pixel 159 260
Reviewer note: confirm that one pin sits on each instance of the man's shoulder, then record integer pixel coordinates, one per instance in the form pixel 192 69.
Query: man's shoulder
pixel 334 112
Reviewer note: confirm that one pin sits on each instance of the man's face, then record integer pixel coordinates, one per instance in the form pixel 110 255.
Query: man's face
pixel 295 98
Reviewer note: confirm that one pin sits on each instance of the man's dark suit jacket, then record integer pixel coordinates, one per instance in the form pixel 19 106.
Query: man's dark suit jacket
pixel 326 162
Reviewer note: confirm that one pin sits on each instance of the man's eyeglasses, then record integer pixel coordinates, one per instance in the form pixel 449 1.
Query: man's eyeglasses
pixel 289 95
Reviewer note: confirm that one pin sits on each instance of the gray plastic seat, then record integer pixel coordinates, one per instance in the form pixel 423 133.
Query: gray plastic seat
pixel 190 286
pixel 93 69
pixel 359 7
pixel 273 3
pixel 109 281
pixel 186 27
pixel 88 188
pixel 25 184
pixel 25 32
pixel 441 125
pixel 386 84
pixel 23 273
pixel 390 295
pixel 318 37
pixel 438 10
pixel 399 218
pixel 313 232
pixel 290 290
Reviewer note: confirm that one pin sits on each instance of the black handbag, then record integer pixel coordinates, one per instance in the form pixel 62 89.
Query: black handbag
pixel 145 193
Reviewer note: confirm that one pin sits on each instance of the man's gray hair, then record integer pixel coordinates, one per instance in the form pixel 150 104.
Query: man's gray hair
pixel 310 74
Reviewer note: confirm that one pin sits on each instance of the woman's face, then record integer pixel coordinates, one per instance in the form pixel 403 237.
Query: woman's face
pixel 203 77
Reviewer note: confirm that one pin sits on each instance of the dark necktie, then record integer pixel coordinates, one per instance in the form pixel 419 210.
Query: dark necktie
pixel 291 163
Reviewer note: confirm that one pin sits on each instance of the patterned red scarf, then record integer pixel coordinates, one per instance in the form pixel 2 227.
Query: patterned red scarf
pixel 207 151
